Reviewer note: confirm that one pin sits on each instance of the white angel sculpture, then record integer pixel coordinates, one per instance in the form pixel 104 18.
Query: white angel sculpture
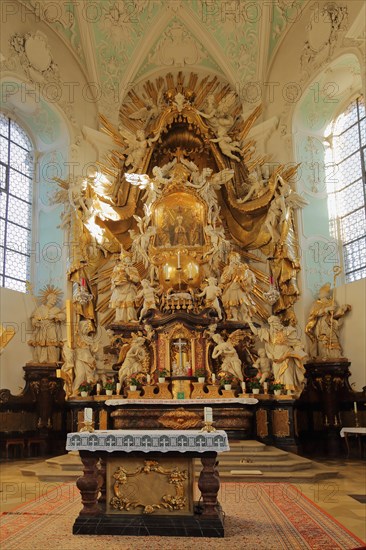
pixel 217 114
pixel 152 186
pixel 136 359
pixel 220 246
pixel 141 241
pixel 137 147
pixel 231 362
pixel 227 145
pixel 150 111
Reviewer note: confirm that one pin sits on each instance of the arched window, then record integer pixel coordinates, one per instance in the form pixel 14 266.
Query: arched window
pixel 16 166
pixel 346 186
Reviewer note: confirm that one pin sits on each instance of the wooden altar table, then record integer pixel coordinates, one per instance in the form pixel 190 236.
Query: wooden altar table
pixel 140 483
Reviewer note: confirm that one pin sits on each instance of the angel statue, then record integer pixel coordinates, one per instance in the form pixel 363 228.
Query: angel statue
pixel 136 148
pixel 211 293
pixel 220 246
pixel 217 114
pixel 238 282
pixel 148 294
pixel 136 359
pixel 207 186
pixel 150 110
pixel 231 362
pixel 227 145
pixel 323 325
pixel 124 279
pixel 258 187
pixel 152 186
pixel 286 351
pixel 140 241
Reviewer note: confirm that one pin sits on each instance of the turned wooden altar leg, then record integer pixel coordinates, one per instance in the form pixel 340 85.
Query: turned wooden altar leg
pixel 88 485
pixel 209 485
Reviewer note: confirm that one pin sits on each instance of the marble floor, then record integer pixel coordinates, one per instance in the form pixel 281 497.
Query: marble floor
pixel 332 495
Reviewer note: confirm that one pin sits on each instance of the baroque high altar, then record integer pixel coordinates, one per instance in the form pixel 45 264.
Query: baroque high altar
pixel 185 247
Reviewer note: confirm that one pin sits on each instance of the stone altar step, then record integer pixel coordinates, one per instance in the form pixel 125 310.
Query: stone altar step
pixel 260 463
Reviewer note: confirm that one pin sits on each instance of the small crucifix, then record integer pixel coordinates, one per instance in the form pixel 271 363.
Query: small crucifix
pixel 180 345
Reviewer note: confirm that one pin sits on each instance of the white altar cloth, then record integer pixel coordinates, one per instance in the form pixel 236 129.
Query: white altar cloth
pixel 353 430
pixel 151 440
pixel 182 402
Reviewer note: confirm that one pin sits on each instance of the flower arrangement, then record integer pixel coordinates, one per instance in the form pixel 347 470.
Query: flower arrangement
pixel 162 373
pixel 200 372
pixel 276 386
pixel 134 382
pixel 110 384
pixel 253 383
pixel 85 386
pixel 227 379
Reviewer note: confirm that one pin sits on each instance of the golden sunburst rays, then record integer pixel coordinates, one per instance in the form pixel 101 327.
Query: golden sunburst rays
pixel 48 290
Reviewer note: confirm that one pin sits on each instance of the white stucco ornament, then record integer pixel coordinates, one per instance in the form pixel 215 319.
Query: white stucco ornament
pixel 38 52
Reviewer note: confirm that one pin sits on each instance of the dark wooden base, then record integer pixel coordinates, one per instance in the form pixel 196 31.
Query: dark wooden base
pixel 154 525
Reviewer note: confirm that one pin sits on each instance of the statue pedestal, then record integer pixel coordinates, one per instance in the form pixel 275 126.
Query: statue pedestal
pixel 320 403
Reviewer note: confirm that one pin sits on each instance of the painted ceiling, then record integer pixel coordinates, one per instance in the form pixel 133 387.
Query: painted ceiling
pixel 120 43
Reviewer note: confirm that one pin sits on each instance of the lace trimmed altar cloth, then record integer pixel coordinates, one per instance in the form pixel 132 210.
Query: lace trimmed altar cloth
pixel 163 441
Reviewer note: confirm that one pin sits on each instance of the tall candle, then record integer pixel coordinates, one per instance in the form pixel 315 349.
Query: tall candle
pixel 99 388
pixel 69 323
pixel 118 388
pixel 190 271
pixel 355 406
pixel 148 378
pixel 213 378
pixel 243 387
pixel 208 414
pixel 265 385
pixel 88 415
pixel 166 272
pixel 58 373
pixel 178 260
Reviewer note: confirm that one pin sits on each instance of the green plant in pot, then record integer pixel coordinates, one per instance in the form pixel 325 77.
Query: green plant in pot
pixel 133 384
pixel 254 385
pixel 226 381
pixel 162 373
pixel 109 386
pixel 276 388
pixel 85 387
pixel 201 374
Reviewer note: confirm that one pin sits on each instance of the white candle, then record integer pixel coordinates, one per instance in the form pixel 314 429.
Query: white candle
pixel 355 406
pixel 208 414
pixel 265 385
pixel 190 271
pixel 148 378
pixel 118 387
pixel 166 272
pixel 213 378
pixel 88 415
pixel 243 387
pixel 99 388
pixel 178 260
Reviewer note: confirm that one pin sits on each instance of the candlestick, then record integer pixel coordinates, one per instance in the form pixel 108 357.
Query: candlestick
pixel 148 378
pixel 355 407
pixel 88 415
pixel 99 388
pixel 208 417
pixel 118 388
pixel 178 260
pixel 243 387
pixel 213 378
pixel 69 330
pixel 166 272
pixel 190 271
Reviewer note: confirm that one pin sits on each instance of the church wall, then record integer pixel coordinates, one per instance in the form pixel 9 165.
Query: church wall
pixel 15 310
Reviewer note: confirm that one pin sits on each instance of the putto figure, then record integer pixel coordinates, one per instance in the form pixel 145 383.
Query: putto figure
pixel 324 323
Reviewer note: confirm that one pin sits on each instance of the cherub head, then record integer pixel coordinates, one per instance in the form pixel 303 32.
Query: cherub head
pixel 261 353
pixel 212 281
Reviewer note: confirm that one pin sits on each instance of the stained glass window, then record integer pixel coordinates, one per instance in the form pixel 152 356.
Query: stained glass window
pixel 347 188
pixel 16 166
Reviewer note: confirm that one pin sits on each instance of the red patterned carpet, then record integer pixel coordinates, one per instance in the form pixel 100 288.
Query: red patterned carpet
pixel 258 516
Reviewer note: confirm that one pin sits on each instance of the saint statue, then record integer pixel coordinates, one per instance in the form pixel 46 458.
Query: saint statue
pixel 238 282
pixel 323 325
pixel 285 350
pixel 231 362
pixel 46 322
pixel 124 290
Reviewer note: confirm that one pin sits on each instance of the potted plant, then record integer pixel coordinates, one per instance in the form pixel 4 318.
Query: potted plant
pixel 277 388
pixel 109 386
pixel 84 388
pixel 133 384
pixel 254 385
pixel 201 375
pixel 161 375
pixel 226 382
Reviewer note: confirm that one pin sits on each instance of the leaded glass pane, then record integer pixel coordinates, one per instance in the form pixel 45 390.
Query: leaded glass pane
pixel 349 171
pixel 1 259
pixel 15 285
pixel 346 144
pixel 350 198
pixel 353 226
pixel 2 176
pixel 363 133
pixel 19 159
pixel 356 275
pixel 20 185
pixel 16 265
pixel 346 119
pixel 3 197
pixel 4 125
pixel 361 107
pixel 19 212
pixel 4 150
pixel 18 136
pixel 18 238
pixel 354 255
